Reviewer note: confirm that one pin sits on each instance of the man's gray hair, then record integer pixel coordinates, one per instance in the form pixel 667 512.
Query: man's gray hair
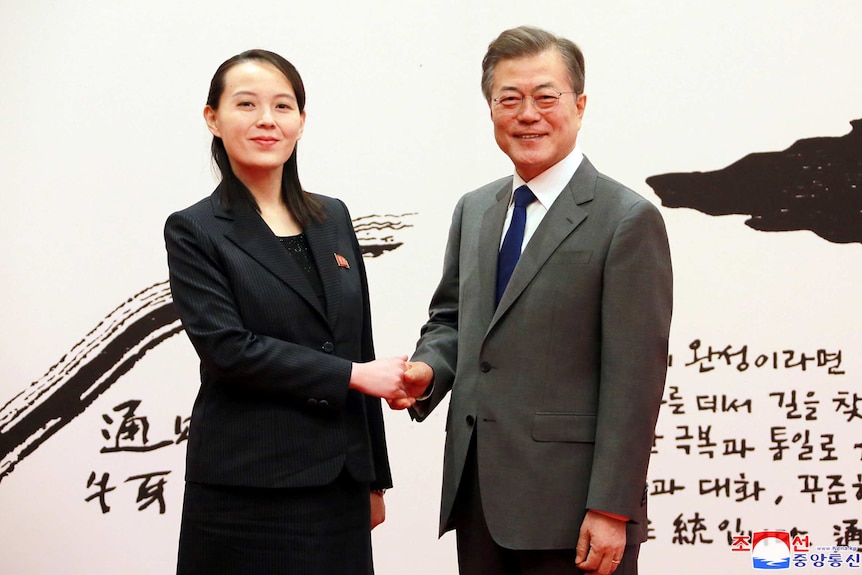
pixel 525 41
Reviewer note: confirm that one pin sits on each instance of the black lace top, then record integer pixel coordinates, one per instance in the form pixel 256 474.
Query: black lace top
pixel 298 248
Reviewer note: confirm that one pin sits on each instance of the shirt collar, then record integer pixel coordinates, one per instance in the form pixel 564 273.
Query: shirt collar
pixel 548 185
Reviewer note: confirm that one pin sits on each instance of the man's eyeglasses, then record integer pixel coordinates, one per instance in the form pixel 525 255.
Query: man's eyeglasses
pixel 512 102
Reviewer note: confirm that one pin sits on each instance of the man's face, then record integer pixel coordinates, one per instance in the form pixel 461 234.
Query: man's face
pixel 535 139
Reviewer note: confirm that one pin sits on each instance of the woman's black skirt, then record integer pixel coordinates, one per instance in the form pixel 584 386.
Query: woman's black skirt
pixel 302 531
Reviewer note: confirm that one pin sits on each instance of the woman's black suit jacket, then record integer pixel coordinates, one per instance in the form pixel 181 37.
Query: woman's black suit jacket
pixel 274 408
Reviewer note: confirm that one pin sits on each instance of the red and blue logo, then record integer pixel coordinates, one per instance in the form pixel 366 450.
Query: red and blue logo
pixel 770 550
pixel 778 549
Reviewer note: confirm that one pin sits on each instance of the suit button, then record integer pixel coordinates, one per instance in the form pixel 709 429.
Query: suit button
pixel 323 403
pixel 312 401
pixel 470 420
pixel 328 347
pixel 485 367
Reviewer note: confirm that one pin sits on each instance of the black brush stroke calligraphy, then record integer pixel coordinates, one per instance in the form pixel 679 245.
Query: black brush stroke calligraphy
pixel 815 184
pixel 97 361
pixel 375 232
pixel 113 347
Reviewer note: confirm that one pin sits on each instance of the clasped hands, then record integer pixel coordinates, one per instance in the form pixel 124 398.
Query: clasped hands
pixel 394 379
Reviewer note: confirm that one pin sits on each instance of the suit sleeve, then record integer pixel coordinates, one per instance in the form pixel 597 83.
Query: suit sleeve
pixel 438 342
pixel 201 289
pixel 636 313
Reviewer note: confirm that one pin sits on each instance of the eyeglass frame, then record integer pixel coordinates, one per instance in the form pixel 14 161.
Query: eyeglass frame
pixel 523 97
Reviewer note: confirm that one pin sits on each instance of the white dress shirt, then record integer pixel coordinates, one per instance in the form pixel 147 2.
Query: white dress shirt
pixel 547 187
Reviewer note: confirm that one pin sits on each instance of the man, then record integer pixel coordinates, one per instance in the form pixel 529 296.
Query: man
pixel 555 387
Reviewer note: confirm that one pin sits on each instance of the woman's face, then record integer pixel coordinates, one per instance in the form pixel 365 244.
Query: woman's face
pixel 258 119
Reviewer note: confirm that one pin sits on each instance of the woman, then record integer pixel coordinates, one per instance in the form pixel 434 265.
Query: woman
pixel 287 461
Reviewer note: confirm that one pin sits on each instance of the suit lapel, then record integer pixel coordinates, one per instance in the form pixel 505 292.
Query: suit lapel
pixel 490 236
pixel 323 241
pixel 562 218
pixel 251 234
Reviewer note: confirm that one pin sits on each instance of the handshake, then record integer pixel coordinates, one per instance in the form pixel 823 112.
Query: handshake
pixel 394 379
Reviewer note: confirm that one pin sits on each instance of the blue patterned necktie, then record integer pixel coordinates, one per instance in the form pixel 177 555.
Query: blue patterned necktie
pixel 511 249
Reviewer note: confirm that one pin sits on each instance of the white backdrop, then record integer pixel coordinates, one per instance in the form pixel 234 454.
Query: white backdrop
pixel 101 137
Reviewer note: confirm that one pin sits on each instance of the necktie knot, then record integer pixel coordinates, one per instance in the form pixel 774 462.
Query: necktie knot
pixel 524 197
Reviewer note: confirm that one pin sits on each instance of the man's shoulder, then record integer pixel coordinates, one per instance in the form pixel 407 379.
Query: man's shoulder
pixel 606 182
pixel 489 191
pixel 605 185
pixel 619 201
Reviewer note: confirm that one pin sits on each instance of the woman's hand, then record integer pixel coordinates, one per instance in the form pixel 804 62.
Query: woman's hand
pixel 380 378
pixel 378 509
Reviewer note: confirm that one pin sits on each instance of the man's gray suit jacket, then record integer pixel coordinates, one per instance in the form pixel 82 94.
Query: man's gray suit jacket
pixel 562 382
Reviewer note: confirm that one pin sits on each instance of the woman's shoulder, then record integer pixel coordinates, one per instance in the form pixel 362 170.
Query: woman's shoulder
pixel 201 215
pixel 206 206
pixel 333 207
pixel 327 201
